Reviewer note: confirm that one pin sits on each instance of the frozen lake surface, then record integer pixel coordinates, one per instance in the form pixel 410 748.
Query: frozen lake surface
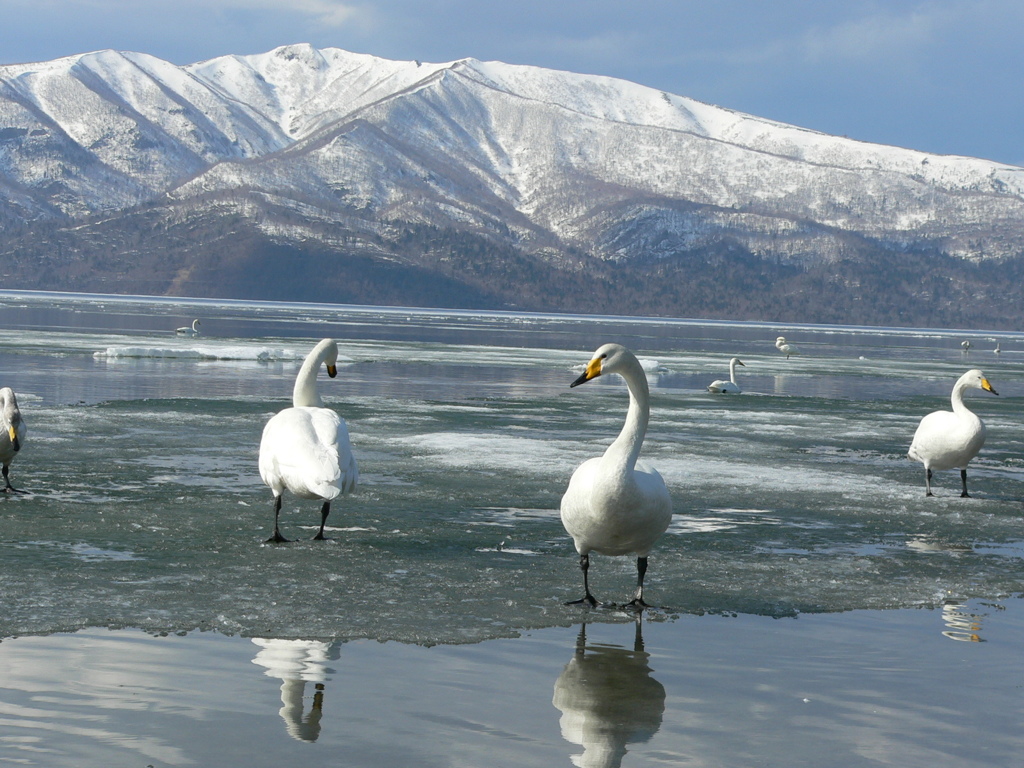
pixel 804 561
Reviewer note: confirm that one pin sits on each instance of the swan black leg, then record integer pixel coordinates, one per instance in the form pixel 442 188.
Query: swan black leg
pixel 8 488
pixel 325 510
pixel 277 537
pixel 928 483
pixel 637 603
pixel 963 482
pixel 587 598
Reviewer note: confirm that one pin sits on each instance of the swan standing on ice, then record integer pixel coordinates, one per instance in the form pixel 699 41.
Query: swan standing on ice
pixel 785 347
pixel 945 439
pixel 730 385
pixel 13 436
pixel 614 506
pixel 305 448
pixel 187 331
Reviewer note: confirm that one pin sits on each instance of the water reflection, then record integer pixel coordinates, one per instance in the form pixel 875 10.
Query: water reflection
pixel 296 663
pixel 608 699
pixel 963 625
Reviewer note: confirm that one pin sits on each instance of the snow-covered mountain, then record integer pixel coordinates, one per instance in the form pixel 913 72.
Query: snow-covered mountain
pixel 346 156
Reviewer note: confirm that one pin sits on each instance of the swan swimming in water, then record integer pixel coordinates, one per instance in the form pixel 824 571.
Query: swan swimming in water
pixel 305 448
pixel 613 505
pixel 785 347
pixel 187 331
pixel 730 385
pixel 13 435
pixel 945 439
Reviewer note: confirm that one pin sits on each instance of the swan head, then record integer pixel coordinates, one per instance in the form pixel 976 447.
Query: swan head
pixel 976 379
pixel 610 358
pixel 737 361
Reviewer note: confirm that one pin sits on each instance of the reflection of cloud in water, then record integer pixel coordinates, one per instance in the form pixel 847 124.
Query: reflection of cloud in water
pixel 295 663
pixel 608 699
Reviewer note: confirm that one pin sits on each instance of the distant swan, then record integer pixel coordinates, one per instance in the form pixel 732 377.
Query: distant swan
pixel 614 506
pixel 187 331
pixel 730 385
pixel 997 350
pixel 13 436
pixel 785 347
pixel 305 448
pixel 945 439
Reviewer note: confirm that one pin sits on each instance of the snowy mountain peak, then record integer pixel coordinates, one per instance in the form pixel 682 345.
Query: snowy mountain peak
pixel 330 146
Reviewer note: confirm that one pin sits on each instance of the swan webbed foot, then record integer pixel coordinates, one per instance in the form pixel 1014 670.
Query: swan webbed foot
pixel 636 604
pixel 965 495
pixel 928 493
pixel 320 537
pixel 277 538
pixel 587 599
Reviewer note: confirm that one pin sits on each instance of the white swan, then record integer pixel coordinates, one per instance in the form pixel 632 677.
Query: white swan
pixel 966 344
pixel 614 506
pixel 945 439
pixel 997 350
pixel 730 385
pixel 13 436
pixel 785 347
pixel 305 448
pixel 187 331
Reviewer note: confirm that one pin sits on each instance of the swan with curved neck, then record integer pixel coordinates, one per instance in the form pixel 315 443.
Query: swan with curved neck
pixel 948 439
pixel 785 347
pixel 305 449
pixel 12 434
pixel 730 385
pixel 189 331
pixel 613 505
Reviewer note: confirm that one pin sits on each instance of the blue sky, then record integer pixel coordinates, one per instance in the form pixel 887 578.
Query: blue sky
pixel 943 76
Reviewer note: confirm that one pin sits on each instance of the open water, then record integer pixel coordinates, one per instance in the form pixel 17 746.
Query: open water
pixel 817 608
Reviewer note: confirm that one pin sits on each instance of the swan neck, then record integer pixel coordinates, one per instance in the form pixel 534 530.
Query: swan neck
pixel 306 393
pixel 957 400
pixel 732 371
pixel 626 448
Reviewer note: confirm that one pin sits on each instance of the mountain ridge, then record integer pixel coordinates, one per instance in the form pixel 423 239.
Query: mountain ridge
pixel 112 157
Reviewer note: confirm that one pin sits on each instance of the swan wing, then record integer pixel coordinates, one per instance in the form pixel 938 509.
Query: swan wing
pixel 306 451
pixel 944 440
pixel 612 514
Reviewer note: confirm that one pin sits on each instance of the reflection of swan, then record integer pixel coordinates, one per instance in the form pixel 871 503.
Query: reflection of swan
pixel 305 448
pixel 608 699
pixel 297 662
pixel 785 347
pixel 947 439
pixel 13 427
pixel 612 505
pixel 963 626
pixel 186 331
pixel 730 385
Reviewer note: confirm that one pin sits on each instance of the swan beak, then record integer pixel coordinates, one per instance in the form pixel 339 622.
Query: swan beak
pixel 15 442
pixel 592 372
pixel 988 387
pixel 332 370
pixel 740 362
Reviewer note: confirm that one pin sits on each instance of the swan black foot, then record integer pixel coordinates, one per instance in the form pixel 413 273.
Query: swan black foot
pixel 587 599
pixel 325 510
